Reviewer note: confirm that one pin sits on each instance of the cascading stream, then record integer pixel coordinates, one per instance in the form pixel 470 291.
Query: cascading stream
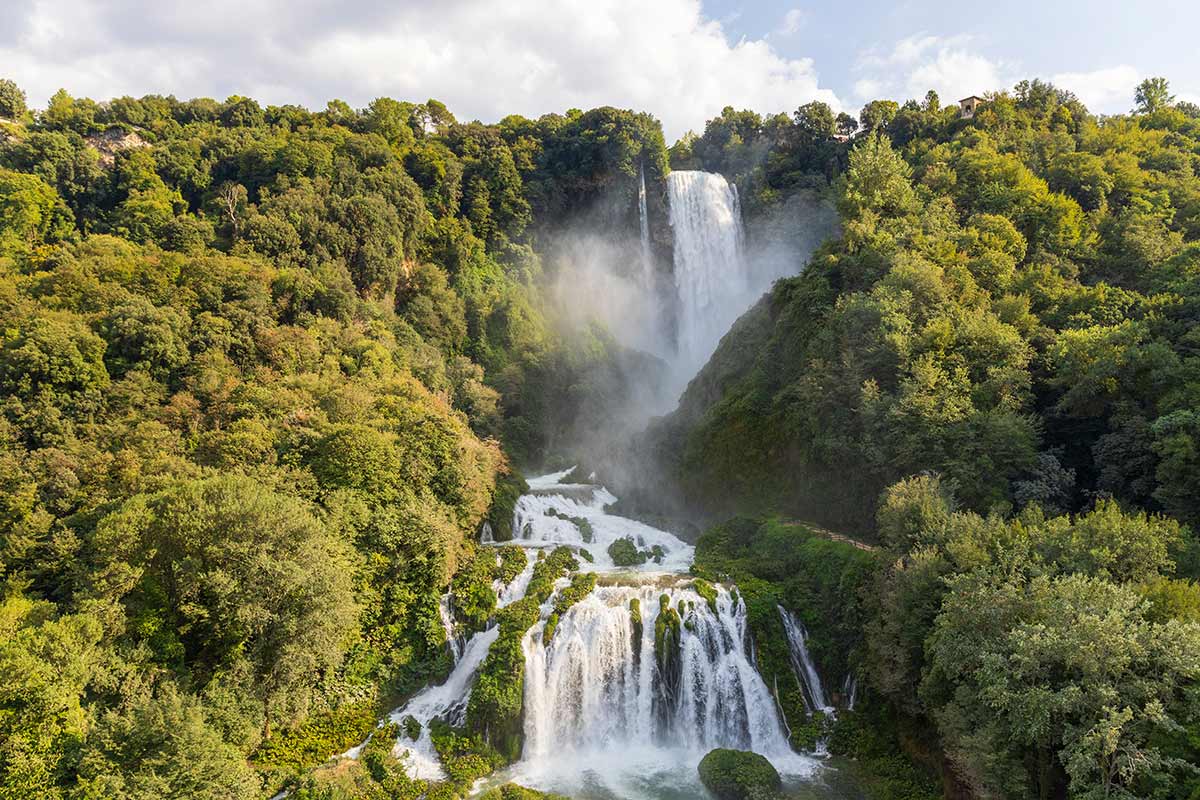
pixel 453 641
pixel 447 701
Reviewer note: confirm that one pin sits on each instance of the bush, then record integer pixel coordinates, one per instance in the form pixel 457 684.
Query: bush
pixel 511 791
pixel 738 775
pixel 624 553
pixel 504 502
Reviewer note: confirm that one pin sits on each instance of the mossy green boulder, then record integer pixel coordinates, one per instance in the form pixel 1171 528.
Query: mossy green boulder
pixel 738 775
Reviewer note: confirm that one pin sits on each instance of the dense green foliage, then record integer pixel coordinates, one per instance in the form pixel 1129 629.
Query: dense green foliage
pixel 1030 643
pixel 1009 316
pixel 256 365
pixel 738 775
pixel 263 372
pixel 1012 304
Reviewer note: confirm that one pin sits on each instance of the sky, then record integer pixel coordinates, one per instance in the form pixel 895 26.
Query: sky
pixel 681 60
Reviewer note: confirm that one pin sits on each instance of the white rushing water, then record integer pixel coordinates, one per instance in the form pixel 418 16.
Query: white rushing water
pixel 447 701
pixel 551 513
pixel 802 664
pixel 598 685
pixel 604 718
pixel 711 277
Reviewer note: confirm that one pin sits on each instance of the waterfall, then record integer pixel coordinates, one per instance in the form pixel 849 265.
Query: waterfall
pixel 802 665
pixel 850 690
pixel 506 595
pixel 447 701
pixel 602 715
pixel 453 640
pixel 648 280
pixel 598 686
pixel 711 279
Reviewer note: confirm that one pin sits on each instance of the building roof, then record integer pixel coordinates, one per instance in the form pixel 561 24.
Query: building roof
pixel 973 97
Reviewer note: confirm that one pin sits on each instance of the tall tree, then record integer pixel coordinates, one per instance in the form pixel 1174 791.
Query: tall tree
pixel 1151 95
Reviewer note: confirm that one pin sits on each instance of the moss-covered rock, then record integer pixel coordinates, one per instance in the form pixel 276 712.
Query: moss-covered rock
pixel 549 628
pixel 495 710
pixel 511 791
pixel 465 757
pixel 412 727
pixel 635 622
pixel 708 592
pixel 668 655
pixel 511 562
pixel 739 775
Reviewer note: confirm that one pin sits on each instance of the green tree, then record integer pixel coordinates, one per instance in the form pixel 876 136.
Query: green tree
pixel 1067 670
pixel 878 114
pixel 12 100
pixel 240 572
pixel 31 214
pixel 161 746
pixel 47 662
pixel 877 180
pixel 1151 95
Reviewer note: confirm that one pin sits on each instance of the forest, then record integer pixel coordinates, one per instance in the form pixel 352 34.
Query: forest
pixel 1000 354
pixel 265 372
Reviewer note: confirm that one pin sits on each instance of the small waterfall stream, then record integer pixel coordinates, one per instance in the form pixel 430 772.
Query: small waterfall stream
pixel 802 664
pixel 453 641
pixel 648 277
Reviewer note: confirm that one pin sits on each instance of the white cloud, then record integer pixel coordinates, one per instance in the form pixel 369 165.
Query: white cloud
pixel 916 64
pixel 867 89
pixel 955 73
pixel 1107 91
pixel 792 22
pixel 483 59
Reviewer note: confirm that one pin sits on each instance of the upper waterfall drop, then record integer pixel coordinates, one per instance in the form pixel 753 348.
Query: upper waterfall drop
pixel 712 282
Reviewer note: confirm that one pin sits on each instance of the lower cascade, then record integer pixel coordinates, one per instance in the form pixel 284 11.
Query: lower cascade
pixel 641 677
pixel 601 684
